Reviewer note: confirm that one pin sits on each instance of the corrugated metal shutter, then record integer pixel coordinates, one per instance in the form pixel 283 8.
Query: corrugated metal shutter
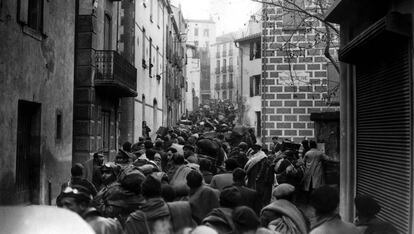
pixel 384 136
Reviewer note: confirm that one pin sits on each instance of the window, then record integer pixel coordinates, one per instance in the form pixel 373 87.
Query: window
pixel 217 79
pixel 333 85
pixel 231 77
pixel 107 32
pixel 230 94
pixel 230 61
pixel 159 9
pixel 224 78
pixel 151 10
pixel 258 123
pixel 218 64
pixel 196 43
pixel 150 57
pixel 292 19
pixel 59 125
pixel 206 32
pixel 144 65
pixel 255 86
pixel 196 32
pixel 224 63
pixel 224 95
pixel 106 131
pixel 224 47
pixel 28 152
pixel 31 13
pixel 255 49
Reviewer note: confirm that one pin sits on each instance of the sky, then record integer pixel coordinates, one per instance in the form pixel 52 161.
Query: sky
pixel 229 15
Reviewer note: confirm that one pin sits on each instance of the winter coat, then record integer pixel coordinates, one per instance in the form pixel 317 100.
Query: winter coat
pixel 314 172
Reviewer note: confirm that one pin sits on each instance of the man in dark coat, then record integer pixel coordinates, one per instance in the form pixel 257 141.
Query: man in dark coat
pixel 76 179
pixel 203 199
pixel 221 218
pixel 249 197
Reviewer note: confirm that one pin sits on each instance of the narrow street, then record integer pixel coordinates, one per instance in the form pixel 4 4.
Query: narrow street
pixel 206 116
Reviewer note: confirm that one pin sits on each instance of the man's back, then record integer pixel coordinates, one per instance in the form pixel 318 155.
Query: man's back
pixel 249 198
pixel 221 181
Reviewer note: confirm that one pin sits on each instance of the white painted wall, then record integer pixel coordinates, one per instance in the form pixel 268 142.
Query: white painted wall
pixel 153 19
pixel 193 79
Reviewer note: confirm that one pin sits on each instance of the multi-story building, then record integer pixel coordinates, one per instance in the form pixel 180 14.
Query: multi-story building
pixel 151 19
pixel 193 78
pixel 377 107
pixel 296 75
pixel 224 68
pixel 175 66
pixel 36 99
pixel 202 33
pixel 249 92
pixel 104 76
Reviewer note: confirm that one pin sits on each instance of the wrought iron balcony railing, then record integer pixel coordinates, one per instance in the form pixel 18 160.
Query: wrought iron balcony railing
pixel 115 74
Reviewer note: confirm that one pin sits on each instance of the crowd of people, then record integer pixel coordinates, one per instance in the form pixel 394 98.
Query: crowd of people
pixel 212 181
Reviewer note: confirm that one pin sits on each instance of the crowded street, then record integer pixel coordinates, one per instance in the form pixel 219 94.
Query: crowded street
pixel 206 117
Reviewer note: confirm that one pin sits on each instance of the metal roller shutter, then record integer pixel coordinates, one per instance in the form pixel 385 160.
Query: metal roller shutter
pixel 383 133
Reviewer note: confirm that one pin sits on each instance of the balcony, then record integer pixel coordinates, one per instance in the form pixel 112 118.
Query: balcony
pixel 224 85
pixel 230 68
pixel 217 86
pixel 224 69
pixel 217 70
pixel 230 85
pixel 115 75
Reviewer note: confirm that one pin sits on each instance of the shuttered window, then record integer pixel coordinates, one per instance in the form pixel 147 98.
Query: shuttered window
pixel 384 135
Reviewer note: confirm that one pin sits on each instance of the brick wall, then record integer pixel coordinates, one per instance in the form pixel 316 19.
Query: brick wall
pixel 294 77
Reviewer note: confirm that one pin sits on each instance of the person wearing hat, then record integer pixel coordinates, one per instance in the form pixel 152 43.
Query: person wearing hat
pixel 189 154
pixel 76 179
pixel 275 214
pixel 109 173
pixel 366 210
pixel 78 199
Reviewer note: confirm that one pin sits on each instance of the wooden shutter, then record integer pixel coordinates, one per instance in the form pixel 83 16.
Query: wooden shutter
pixel 383 132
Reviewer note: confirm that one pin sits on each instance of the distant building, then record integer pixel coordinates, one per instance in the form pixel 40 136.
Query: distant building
pixel 296 76
pixel 250 99
pixel 36 99
pixel 202 33
pixel 224 68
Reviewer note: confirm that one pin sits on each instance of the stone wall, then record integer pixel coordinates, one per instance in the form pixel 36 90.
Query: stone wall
pixel 294 79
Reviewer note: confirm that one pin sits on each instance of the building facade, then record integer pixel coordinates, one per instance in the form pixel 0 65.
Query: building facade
pixel 151 19
pixel 249 93
pixel 103 78
pixel 202 33
pixel 36 104
pixel 193 78
pixel 296 75
pixel 376 107
pixel 224 68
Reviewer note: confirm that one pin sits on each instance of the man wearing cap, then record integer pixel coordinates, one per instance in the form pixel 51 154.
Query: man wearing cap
pixel 189 154
pixel 78 200
pixel 76 179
